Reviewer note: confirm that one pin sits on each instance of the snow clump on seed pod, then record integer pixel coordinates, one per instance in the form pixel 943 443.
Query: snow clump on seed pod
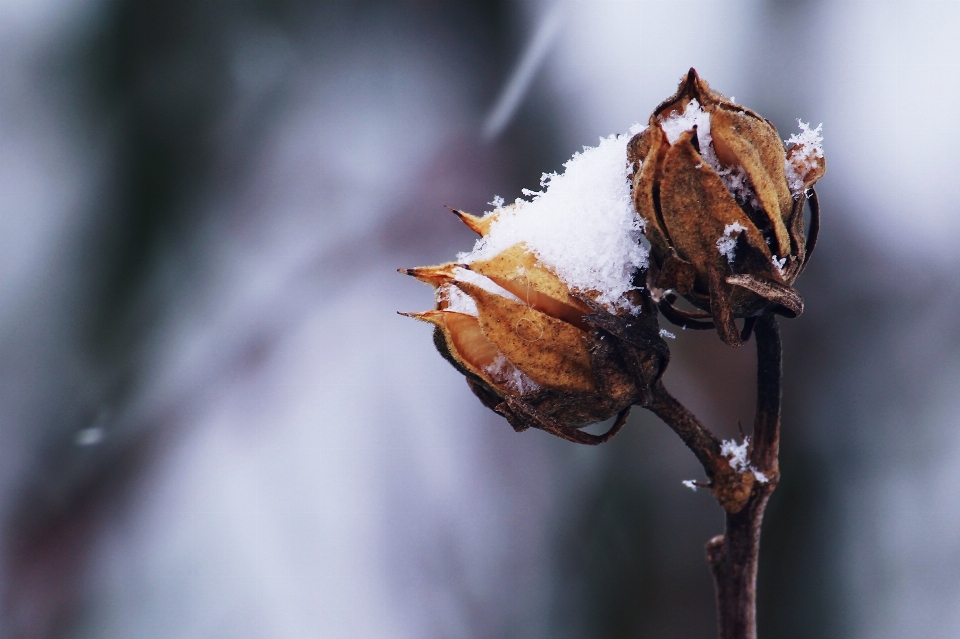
pixel 519 314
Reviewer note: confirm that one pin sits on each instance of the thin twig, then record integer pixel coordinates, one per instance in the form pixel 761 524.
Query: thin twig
pixel 695 435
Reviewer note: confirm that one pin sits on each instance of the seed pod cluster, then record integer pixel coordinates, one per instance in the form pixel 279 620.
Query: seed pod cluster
pixel 546 318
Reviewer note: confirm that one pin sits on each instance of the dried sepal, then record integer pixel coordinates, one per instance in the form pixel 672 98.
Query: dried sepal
pixel 691 87
pixel 788 301
pixel 518 271
pixel 550 351
pixel 697 207
pixel 479 225
pixel 463 341
pixel 649 152
pixel 539 354
pixel 745 141
pixel 435 276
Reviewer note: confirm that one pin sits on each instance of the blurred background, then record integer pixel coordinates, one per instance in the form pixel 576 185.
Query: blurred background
pixel 214 424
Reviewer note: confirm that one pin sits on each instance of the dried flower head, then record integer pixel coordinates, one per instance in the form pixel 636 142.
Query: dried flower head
pixel 722 203
pixel 543 316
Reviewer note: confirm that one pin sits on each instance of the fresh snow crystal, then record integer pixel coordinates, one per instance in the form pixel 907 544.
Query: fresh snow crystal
pixel 737 456
pixel 727 244
pixel 736 453
pixel 810 142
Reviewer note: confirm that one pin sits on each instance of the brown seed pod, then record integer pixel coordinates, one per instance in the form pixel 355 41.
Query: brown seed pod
pixel 537 353
pixel 722 204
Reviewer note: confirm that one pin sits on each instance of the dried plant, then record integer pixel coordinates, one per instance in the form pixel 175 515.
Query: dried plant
pixel 553 317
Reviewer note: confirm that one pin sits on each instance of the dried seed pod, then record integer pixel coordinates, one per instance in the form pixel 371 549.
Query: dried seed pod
pixel 722 202
pixel 536 352
pixel 544 316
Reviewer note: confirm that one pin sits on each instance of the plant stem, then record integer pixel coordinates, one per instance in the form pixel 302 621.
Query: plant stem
pixel 733 556
pixel 733 562
pixel 695 435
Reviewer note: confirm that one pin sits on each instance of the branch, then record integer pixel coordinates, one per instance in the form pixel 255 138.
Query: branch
pixel 695 435
pixel 733 556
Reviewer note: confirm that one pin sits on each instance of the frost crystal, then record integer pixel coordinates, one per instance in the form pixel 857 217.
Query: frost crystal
pixel 737 456
pixel 736 453
pixel 456 300
pixel 691 484
pixel 727 244
pixel 779 263
pixel 459 302
pixel 665 333
pixel 510 376
pixel 581 226
pixel 809 147
pixel 734 178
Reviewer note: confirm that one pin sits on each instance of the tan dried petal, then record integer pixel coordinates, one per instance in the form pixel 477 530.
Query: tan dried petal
pixel 743 140
pixel 692 87
pixel 696 208
pixel 465 340
pixel 433 275
pixel 517 271
pixel 479 225
pixel 807 172
pixel 469 348
pixel 550 351
pixel 646 182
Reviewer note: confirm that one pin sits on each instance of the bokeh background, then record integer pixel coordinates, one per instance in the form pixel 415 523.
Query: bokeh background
pixel 213 423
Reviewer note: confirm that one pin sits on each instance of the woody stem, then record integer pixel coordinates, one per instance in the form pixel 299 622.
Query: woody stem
pixel 733 556
pixel 695 435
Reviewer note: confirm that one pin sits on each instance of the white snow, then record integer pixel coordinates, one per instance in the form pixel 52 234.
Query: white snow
pixel 459 301
pixel 503 371
pixel 779 263
pixel 809 144
pixel 737 456
pixel 581 226
pixel 692 116
pixel 691 484
pixel 727 243
pixel 736 453
pixel 665 333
